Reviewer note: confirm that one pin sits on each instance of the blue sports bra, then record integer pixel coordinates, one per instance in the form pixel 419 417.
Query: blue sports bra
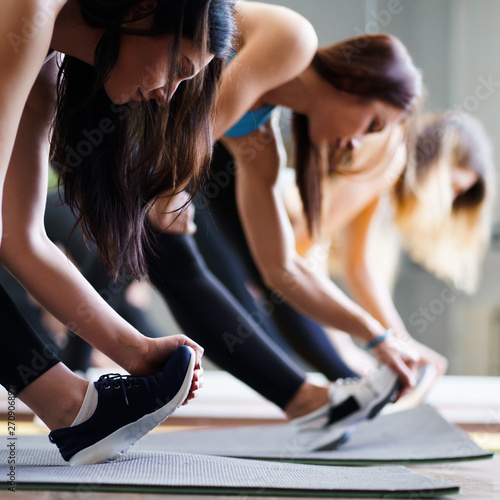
pixel 250 121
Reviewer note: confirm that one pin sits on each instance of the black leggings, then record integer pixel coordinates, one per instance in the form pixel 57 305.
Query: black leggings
pixel 222 242
pixel 26 356
pixel 59 223
pixel 208 314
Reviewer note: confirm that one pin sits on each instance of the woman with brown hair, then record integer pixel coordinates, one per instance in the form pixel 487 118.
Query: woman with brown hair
pixel 120 136
pixel 272 66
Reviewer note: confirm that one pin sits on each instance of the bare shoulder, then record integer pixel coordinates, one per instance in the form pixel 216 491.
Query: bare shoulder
pixel 25 24
pixel 274 45
pixel 287 38
pixel 33 15
pixel 285 21
pixel 26 28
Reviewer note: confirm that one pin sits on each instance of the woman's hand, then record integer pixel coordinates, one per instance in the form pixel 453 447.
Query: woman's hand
pixel 151 355
pixel 428 356
pixel 174 214
pixel 182 221
pixel 403 354
pixel 423 354
pixel 402 360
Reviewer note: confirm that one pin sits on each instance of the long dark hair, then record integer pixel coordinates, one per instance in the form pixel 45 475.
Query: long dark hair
pixel 375 66
pixel 114 160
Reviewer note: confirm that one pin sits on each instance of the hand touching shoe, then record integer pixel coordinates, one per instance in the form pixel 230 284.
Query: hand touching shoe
pixel 149 358
pixel 118 410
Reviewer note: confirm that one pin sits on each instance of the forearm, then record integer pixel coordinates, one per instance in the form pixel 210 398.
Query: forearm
pixel 59 287
pixel 271 242
pixel 376 299
pixel 319 298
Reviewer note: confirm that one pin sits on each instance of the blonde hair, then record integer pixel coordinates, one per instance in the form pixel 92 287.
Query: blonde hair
pixel 447 235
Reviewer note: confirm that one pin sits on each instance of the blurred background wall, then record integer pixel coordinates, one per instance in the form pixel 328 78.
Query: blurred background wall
pixel 456 43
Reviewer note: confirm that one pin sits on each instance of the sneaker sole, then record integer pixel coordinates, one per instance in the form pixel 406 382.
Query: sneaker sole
pixel 346 435
pixel 380 405
pixel 114 445
pixel 426 378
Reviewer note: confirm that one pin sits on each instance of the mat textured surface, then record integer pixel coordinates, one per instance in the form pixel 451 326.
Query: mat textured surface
pixel 419 435
pixel 149 472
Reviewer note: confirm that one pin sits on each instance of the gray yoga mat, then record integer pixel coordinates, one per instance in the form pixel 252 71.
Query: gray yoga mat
pixel 155 472
pixel 419 435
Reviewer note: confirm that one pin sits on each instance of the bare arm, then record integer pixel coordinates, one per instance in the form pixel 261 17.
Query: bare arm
pixel 275 45
pixel 350 208
pixel 370 293
pixel 271 242
pixel 22 53
pixel 373 294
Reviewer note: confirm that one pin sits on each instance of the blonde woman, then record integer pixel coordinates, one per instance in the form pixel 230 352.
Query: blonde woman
pixel 443 202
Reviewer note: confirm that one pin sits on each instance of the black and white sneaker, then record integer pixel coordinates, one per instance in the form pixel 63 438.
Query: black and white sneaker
pixel 427 376
pixel 127 409
pixel 351 402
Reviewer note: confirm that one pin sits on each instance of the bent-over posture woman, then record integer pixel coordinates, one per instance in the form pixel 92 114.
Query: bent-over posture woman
pixel 112 145
pixel 272 65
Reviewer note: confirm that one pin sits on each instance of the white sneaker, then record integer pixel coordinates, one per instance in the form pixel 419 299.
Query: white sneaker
pixel 351 402
pixel 426 378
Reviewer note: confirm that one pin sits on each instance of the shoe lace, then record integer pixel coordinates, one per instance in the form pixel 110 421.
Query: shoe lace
pixel 343 382
pixel 346 381
pixel 116 380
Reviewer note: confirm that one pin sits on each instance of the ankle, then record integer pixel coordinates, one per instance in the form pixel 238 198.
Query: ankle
pixel 68 408
pixel 308 398
pixel 55 407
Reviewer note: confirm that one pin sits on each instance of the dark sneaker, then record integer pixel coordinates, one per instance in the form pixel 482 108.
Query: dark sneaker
pixel 127 409
pixel 351 402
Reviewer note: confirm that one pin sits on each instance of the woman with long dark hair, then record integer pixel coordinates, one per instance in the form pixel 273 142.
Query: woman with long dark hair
pixel 272 66
pixel 133 117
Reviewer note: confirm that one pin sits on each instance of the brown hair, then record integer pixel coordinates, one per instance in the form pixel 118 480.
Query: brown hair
pixel 375 66
pixel 115 160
